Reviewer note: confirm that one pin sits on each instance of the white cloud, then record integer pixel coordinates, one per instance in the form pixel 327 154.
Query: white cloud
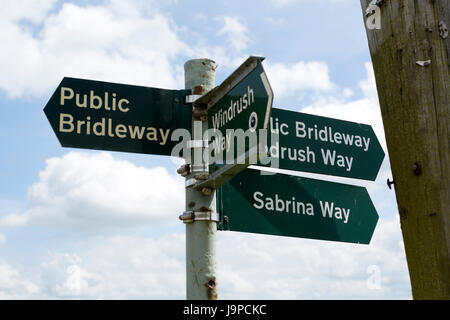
pixel 31 10
pixel 115 42
pixel 12 284
pixel 235 31
pixel 348 93
pixel 364 110
pixel 250 266
pixel 74 191
pixel 13 220
pixel 275 22
pixel 118 267
pixel 2 239
pixel 94 191
pixel 63 276
pixel 285 3
pixel 125 42
pixel 282 3
pixel 267 267
pixel 288 79
pixel 230 53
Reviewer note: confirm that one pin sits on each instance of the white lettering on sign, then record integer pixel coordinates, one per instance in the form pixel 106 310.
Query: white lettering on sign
pixel 223 143
pixel 93 101
pixel 292 205
pixel 107 127
pixel 331 158
pixel 222 117
pixel 329 210
pixel 293 154
pixel 280 205
pixel 306 150
pixel 277 128
pixel 104 127
pixel 327 134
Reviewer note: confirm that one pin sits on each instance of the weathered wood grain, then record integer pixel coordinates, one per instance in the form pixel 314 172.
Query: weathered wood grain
pixel 414 102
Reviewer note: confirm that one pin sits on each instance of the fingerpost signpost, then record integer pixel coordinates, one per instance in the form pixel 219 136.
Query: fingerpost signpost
pixel 238 113
pixel 316 144
pixel 297 207
pixel 116 117
pixel 230 127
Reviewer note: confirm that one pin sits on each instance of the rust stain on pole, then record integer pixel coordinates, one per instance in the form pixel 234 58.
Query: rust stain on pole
pixel 211 289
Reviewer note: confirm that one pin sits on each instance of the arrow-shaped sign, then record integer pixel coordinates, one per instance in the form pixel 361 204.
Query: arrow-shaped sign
pixel 109 116
pixel 238 116
pixel 310 143
pixel 284 205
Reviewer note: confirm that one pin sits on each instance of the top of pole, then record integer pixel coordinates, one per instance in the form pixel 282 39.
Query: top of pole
pixel 200 72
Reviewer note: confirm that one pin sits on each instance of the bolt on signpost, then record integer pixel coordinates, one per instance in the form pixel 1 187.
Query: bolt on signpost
pixel 224 130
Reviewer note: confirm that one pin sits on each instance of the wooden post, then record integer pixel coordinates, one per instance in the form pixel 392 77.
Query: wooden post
pixel 410 56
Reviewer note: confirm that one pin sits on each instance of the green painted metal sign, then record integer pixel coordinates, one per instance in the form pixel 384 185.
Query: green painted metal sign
pixel 109 116
pixel 239 112
pixel 286 205
pixel 305 142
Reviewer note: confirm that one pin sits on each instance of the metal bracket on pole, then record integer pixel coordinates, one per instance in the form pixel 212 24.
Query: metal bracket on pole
pixel 184 170
pixel 191 216
pixel 197 144
pixel 190 182
pixel 197 112
pixel 201 169
pixel 198 178
pixel 200 113
pixel 191 98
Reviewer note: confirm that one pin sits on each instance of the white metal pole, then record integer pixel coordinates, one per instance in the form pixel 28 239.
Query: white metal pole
pixel 201 279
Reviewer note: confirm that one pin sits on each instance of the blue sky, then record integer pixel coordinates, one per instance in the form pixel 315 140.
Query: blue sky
pixel 65 233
